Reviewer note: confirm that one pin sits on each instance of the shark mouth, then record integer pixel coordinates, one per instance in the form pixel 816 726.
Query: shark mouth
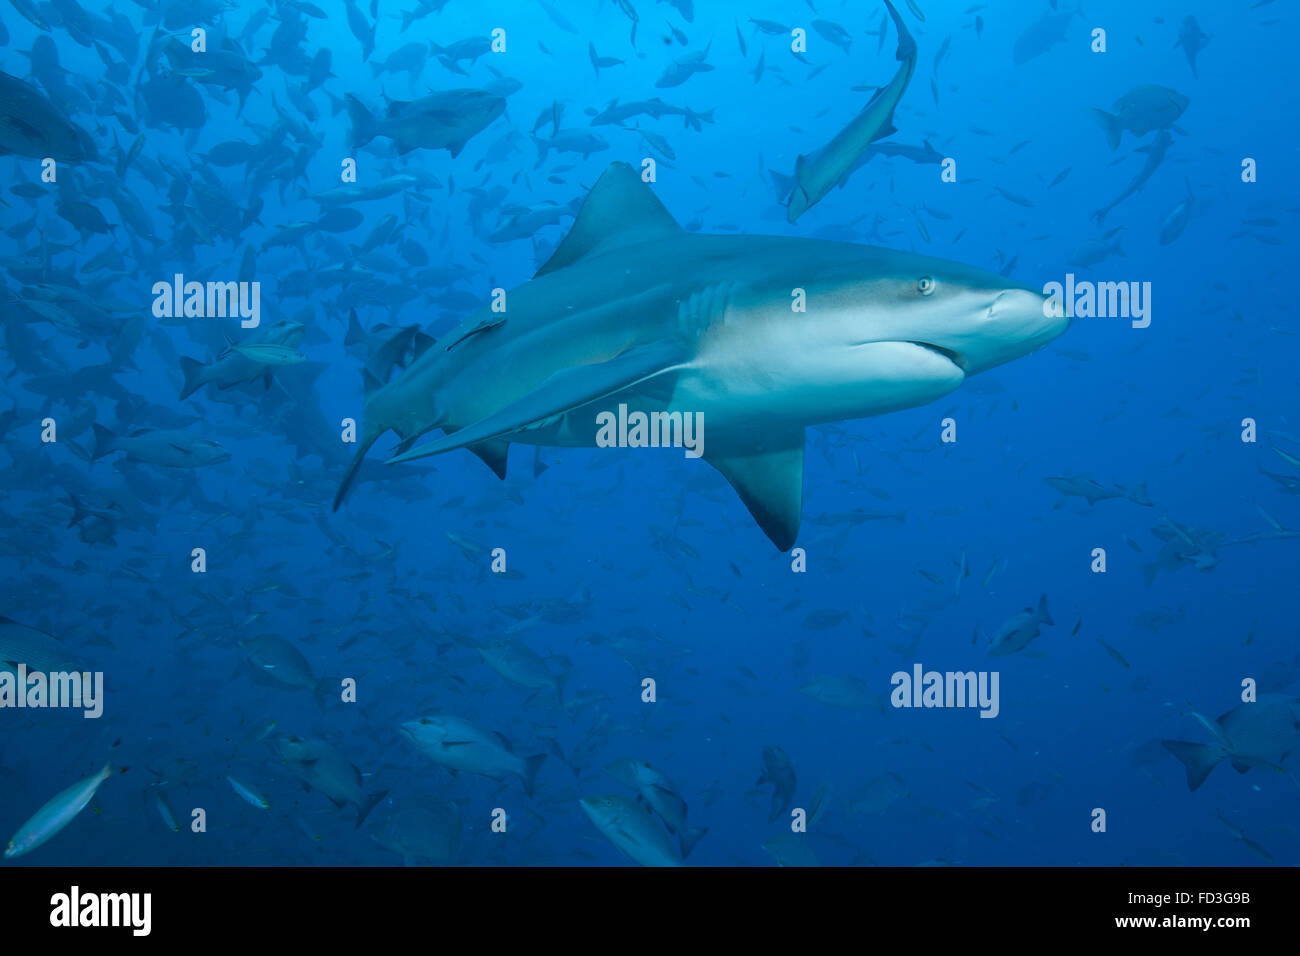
pixel 956 358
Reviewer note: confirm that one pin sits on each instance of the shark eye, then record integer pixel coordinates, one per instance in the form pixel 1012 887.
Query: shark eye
pixel 925 285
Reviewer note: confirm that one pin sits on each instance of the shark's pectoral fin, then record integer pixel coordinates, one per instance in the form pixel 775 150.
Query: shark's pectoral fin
pixel 564 391
pixel 770 483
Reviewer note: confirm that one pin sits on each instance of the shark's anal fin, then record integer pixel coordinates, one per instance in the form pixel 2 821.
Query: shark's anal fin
pixel 567 389
pixel 770 483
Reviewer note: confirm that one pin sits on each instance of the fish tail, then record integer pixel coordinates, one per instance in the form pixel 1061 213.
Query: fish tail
pixel 357 459
pixel 559 688
pixel 371 801
pixel 363 124
pixel 1044 614
pixel 321 692
pixel 1197 759
pixel 1110 123
pixel 78 512
pixel 531 766
pixel 355 334
pixel 192 369
pixel 103 442
pixel 689 837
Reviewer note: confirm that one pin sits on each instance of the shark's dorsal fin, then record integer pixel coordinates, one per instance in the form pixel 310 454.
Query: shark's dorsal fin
pixel 370 381
pixel 770 483
pixel 619 211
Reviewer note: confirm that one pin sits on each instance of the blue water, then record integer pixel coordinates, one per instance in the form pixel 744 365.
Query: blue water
pixel 632 563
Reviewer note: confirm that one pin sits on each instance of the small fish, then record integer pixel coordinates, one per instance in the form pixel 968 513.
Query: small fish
pixel 57 813
pixel 165 812
pixel 268 354
pixel 1112 652
pixel 249 795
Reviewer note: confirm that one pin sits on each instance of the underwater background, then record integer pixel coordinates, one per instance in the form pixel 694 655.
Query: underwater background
pixel 223 710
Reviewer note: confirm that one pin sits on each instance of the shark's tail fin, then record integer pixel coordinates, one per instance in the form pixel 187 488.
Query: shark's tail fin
pixel 363 447
pixel 1111 124
pixel 1197 759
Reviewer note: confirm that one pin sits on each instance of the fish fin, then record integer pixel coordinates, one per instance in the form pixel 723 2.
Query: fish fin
pixel 1044 614
pixel 103 441
pixel 369 381
pixel 1197 759
pixel 363 124
pixel 494 454
pixel 355 334
pixel 564 391
pixel 770 483
pixel 357 459
pixel 321 692
pixel 1240 767
pixel 421 343
pixel 1110 123
pixel 371 801
pixel 688 838
pixel 531 766
pixel 192 369
pixel 621 210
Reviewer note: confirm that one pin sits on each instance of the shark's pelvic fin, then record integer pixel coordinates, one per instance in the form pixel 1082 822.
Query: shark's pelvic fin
pixel 770 483
pixel 620 210
pixel 564 391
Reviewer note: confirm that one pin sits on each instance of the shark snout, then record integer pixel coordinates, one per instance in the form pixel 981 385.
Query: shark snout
pixel 1014 323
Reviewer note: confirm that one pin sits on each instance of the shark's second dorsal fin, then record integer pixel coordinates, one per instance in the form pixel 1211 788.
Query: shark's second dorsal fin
pixel 620 210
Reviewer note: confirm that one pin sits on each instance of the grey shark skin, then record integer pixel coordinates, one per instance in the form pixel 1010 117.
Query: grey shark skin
pixel 633 309
pixel 818 174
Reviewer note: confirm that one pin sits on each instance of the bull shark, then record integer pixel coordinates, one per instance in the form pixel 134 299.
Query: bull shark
pixel 632 309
